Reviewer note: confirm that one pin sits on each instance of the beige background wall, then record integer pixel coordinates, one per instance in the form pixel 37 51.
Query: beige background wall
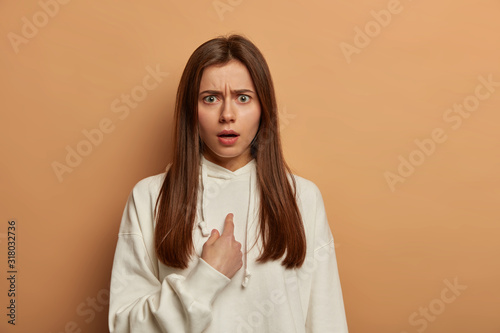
pixel 388 115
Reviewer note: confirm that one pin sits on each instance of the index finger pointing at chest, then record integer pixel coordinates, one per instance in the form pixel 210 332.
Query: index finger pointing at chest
pixel 228 225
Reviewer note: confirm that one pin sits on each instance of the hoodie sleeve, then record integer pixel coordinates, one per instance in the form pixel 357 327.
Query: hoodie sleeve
pixel 326 306
pixel 139 300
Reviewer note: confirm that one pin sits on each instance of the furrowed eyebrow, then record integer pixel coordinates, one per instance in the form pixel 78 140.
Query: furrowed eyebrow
pixel 242 91
pixel 217 92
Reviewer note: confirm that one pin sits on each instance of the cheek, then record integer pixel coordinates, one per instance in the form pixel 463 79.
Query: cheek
pixel 255 119
pixel 204 121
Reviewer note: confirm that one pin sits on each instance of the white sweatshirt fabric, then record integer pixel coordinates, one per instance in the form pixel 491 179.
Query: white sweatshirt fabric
pixel 147 296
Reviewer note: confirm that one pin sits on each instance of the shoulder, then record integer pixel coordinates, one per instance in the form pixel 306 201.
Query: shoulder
pixel 149 184
pixel 139 210
pixel 313 213
pixel 146 191
pixel 307 191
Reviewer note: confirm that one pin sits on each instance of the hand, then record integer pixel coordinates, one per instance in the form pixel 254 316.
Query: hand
pixel 223 252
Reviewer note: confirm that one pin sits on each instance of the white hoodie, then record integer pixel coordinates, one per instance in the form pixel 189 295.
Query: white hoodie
pixel 147 296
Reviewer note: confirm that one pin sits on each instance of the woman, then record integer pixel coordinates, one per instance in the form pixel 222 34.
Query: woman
pixel 227 239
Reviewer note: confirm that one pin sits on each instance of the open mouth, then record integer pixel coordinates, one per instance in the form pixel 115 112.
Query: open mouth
pixel 228 137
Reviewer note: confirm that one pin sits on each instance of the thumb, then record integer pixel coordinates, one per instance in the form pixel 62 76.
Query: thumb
pixel 213 237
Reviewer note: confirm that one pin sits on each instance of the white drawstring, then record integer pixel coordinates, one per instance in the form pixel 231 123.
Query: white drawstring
pixel 247 274
pixel 204 228
pixel 201 210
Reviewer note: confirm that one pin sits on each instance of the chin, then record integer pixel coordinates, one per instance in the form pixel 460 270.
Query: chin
pixel 227 152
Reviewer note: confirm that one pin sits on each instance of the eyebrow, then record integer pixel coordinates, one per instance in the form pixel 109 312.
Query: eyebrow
pixel 217 92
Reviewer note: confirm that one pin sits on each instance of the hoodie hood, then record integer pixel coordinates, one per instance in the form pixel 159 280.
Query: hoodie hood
pixel 221 176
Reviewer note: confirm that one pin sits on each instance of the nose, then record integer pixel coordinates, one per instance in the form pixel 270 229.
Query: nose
pixel 228 114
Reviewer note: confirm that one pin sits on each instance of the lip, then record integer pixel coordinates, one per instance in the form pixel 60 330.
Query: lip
pixel 228 140
pixel 226 132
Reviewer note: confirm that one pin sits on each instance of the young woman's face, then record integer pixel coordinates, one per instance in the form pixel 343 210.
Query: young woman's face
pixel 228 114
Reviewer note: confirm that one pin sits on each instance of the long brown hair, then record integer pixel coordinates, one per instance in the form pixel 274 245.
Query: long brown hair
pixel 281 228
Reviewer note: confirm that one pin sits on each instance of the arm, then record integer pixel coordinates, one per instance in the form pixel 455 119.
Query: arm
pixel 326 306
pixel 139 301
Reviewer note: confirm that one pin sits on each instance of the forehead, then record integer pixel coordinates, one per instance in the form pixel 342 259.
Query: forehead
pixel 233 74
